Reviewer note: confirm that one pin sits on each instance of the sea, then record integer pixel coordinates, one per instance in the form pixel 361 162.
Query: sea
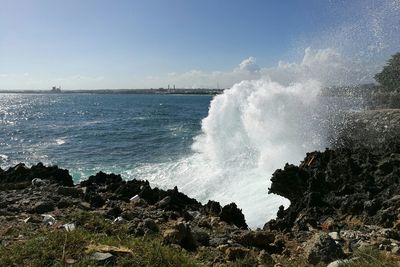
pixel 86 133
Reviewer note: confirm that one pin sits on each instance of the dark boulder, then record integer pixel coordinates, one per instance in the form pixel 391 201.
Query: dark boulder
pixel 233 215
pixel 322 248
pixel 94 199
pixel 103 179
pixel 43 207
pixel 20 176
pixel 213 207
pixel 357 182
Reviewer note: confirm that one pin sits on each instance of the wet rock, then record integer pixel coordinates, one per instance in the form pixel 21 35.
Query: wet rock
pixel 20 176
pixel 102 178
pixel 353 181
pixel 322 248
pixel 233 215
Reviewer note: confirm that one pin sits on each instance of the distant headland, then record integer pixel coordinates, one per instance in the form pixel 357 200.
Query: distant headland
pixel 158 91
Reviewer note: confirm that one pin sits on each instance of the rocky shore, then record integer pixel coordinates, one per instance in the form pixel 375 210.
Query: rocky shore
pixel 343 201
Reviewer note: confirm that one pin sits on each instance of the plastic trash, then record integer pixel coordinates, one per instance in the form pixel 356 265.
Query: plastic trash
pixel 118 220
pixel 135 198
pixel 69 227
pixel 99 256
pixel 48 219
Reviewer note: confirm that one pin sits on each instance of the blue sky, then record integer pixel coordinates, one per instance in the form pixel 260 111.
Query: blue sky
pixel 84 44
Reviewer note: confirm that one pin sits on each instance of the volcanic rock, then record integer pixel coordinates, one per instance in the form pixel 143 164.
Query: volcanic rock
pixel 232 214
pixel 323 248
pixel 20 176
pixel 181 235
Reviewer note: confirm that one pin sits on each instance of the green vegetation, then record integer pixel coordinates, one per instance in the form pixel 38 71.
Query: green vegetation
pixel 368 257
pixel 389 78
pixel 372 258
pixel 55 247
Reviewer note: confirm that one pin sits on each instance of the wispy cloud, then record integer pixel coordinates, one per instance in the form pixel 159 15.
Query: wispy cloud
pixel 324 65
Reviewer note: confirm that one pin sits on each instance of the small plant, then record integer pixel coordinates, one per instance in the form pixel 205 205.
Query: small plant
pixel 389 77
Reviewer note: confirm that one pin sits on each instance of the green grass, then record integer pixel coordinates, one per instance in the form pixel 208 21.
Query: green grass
pixel 372 258
pixel 50 247
pixel 364 258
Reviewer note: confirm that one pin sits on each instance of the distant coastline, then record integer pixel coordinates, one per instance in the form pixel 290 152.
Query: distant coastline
pixel 160 91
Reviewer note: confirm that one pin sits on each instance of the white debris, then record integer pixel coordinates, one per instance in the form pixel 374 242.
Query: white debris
pixel 48 219
pixel 99 256
pixel 135 198
pixel 69 227
pixel 118 220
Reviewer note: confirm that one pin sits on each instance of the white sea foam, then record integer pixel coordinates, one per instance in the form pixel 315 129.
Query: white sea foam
pixel 60 141
pixel 251 130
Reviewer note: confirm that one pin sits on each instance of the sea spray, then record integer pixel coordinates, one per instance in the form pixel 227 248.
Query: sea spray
pixel 251 130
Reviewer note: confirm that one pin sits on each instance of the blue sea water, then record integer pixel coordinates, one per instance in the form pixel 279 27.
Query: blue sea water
pixel 86 133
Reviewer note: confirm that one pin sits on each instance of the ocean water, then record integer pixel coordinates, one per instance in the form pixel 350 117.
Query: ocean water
pixel 86 133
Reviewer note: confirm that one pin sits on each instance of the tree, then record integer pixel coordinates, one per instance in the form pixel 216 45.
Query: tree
pixel 389 77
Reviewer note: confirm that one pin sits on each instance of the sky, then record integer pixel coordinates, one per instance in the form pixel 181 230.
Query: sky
pixel 104 44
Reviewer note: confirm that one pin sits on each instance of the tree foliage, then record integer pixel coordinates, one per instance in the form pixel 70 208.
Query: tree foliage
pixel 389 77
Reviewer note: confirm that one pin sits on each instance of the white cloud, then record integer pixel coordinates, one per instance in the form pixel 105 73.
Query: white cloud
pixel 249 64
pixel 324 65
